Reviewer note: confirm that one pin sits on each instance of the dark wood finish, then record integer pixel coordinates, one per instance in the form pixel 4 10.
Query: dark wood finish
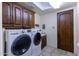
pixel 25 18
pixel 65 30
pixel 43 41
pixel 7 14
pixel 17 15
pixel 31 19
pixel 28 18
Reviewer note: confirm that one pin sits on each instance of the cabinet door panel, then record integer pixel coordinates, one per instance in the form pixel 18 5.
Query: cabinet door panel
pixel 7 17
pixel 25 18
pixel 31 20
pixel 17 15
pixel 44 41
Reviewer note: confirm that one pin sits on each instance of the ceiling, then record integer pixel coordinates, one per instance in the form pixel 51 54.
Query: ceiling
pixel 45 7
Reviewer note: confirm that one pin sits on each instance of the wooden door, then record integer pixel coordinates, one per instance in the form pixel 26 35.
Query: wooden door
pixel 25 18
pixel 7 14
pixel 31 19
pixel 17 15
pixel 65 30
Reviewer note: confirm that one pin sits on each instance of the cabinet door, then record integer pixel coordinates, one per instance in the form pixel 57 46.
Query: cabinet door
pixel 44 41
pixel 17 15
pixel 7 14
pixel 25 18
pixel 31 20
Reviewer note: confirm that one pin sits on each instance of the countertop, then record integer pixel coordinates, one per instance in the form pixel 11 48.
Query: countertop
pixel 43 34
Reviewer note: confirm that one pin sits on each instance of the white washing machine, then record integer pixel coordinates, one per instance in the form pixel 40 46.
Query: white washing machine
pixel 36 42
pixel 18 42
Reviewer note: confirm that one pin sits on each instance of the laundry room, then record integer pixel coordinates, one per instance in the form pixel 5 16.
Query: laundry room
pixel 40 28
pixel 22 36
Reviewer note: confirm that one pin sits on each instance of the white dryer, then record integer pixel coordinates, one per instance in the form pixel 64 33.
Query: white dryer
pixel 18 42
pixel 36 42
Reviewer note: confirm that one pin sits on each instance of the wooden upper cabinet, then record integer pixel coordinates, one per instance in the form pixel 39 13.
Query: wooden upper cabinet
pixel 31 19
pixel 14 16
pixel 25 18
pixel 7 14
pixel 28 18
pixel 17 15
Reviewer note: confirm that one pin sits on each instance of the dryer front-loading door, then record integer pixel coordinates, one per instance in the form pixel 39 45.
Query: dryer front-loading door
pixel 21 45
pixel 37 39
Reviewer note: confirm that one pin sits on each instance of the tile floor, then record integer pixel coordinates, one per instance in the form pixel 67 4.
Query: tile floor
pixel 50 51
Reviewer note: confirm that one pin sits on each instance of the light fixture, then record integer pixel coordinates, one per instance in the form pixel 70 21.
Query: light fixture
pixel 55 5
pixel 42 5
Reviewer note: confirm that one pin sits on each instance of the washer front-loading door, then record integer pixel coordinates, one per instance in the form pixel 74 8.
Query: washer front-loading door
pixel 21 45
pixel 37 39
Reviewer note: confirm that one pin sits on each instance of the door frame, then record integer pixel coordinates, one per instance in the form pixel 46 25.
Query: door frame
pixel 61 12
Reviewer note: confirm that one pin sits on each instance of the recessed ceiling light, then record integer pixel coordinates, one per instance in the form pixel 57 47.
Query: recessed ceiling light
pixel 43 5
pixel 47 5
pixel 55 5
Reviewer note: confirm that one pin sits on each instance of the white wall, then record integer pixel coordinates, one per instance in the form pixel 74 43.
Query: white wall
pixel 50 20
pixel 77 45
pixel 1 41
pixel 37 18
